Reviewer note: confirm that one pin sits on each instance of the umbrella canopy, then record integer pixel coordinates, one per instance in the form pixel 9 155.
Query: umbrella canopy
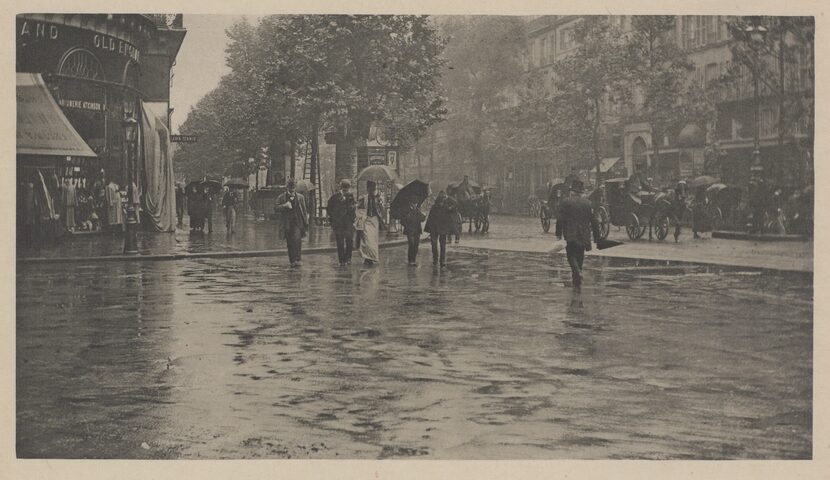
pixel 214 185
pixel 236 183
pixel 415 191
pixel 703 181
pixel 304 186
pixel 377 173
pixel 715 188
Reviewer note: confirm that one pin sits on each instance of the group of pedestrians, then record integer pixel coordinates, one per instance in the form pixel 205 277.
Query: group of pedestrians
pixel 362 220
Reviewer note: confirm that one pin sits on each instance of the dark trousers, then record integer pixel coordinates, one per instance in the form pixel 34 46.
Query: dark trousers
pixel 413 241
pixel 294 239
pixel 576 255
pixel 345 244
pixel 436 240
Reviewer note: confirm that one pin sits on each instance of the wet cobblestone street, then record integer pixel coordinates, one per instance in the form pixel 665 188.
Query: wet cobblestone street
pixel 490 358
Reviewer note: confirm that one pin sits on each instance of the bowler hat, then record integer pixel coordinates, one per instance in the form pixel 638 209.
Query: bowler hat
pixel 290 183
pixel 577 186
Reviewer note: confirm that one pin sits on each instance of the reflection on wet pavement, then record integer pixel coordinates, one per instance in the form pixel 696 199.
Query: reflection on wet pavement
pixel 493 357
pixel 251 234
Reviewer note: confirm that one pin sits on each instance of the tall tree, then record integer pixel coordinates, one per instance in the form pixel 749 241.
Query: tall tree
pixel 345 72
pixel 661 75
pixel 591 84
pixel 783 60
pixel 483 57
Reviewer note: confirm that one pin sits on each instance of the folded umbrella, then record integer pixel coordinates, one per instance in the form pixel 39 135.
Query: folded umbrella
pixel 602 244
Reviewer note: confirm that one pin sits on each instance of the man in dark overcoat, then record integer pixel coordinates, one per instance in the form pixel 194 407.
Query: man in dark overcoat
pixel 576 222
pixel 294 221
pixel 341 213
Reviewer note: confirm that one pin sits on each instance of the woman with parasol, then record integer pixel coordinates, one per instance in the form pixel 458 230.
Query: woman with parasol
pixel 373 205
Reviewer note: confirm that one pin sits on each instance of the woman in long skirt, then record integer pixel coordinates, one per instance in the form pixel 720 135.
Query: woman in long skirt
pixel 373 205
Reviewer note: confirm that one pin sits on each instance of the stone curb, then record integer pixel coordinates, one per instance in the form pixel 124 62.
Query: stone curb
pixel 728 235
pixel 482 250
pixel 192 256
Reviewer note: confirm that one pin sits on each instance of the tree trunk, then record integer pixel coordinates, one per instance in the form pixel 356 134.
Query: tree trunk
pixel 432 157
pixel 344 165
pixel 293 171
pixel 781 106
pixel 315 165
pixel 595 139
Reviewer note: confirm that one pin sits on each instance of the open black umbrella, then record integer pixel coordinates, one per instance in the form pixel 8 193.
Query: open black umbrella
pixel 236 183
pixel 415 191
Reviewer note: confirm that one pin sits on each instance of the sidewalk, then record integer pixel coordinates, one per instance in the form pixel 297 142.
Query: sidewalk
pixel 253 237
pixel 524 234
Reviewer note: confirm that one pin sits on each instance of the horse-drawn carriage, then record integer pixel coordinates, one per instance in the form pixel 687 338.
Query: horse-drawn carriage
pixel 636 211
pixel 474 206
pixel 551 200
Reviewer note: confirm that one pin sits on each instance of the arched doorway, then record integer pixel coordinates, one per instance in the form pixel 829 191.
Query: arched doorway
pixel 639 155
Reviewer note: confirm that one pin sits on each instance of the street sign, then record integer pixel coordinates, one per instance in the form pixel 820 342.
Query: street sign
pixel 184 138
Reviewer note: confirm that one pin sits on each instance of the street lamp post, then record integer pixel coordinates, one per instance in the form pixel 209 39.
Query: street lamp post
pixel 756 34
pixel 131 234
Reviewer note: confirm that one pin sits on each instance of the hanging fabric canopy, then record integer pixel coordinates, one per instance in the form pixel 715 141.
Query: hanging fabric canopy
pixel 159 200
pixel 42 128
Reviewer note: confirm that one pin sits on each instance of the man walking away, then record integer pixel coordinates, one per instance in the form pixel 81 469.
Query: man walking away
pixel 440 223
pixel 341 213
pixel 411 221
pixel 294 222
pixel 576 221
pixel 229 204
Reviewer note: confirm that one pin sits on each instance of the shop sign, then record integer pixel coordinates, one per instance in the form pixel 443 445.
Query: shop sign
pixel 105 42
pixel 30 29
pixel 184 138
pixel 81 104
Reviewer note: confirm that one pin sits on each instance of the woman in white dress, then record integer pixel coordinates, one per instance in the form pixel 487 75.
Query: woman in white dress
pixel 373 205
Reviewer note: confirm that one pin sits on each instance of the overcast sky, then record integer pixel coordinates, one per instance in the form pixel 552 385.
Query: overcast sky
pixel 201 61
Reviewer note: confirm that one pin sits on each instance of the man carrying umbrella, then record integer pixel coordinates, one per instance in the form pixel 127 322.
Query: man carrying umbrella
pixel 341 213
pixel 576 221
pixel 294 221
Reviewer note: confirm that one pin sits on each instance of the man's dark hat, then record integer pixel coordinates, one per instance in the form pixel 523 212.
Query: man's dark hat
pixel 577 186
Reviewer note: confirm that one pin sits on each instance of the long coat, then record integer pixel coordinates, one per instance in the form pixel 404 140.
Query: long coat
pixel 411 221
pixel 341 211
pixel 441 220
pixel 297 215
pixel 576 221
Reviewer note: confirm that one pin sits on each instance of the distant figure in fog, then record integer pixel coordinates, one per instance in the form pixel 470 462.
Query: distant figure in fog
pixel 294 222
pixel 678 208
pixel 700 222
pixel 576 222
pixel 229 201
pixel 341 213
pixel 411 221
pixel 440 223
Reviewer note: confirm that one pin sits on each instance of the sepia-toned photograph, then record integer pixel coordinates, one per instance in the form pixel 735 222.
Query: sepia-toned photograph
pixel 414 237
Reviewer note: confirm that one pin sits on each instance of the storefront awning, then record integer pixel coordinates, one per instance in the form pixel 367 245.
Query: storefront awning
pixel 42 128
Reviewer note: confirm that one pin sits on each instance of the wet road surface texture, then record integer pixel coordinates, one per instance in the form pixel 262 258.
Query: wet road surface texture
pixel 492 357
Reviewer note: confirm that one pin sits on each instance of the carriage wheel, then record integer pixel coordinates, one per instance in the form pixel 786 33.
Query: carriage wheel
pixel 604 223
pixel 545 224
pixel 633 228
pixel 662 226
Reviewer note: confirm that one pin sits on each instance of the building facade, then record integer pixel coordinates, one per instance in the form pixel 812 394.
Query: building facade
pixel 99 70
